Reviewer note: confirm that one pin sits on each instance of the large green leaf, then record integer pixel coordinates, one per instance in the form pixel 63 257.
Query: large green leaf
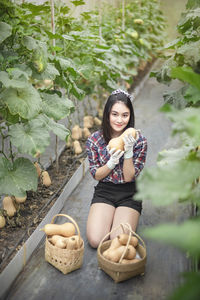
pixel 17 178
pixel 192 95
pixel 50 72
pixel 189 19
pixel 168 183
pixel 78 93
pixel 14 82
pixel 189 288
pixel 26 102
pixel 170 156
pixel 184 236
pixel 30 138
pixel 187 121
pixel 176 98
pixel 55 107
pixel 60 130
pixel 186 74
pixel 5 31
pixel 30 43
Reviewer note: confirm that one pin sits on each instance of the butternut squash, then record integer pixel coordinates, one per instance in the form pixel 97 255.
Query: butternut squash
pixel 61 244
pixel 38 168
pixel 2 221
pixel 106 253
pixel 72 243
pixel 67 229
pixel 20 199
pixel 77 148
pixel 97 121
pixel 114 254
pixel 86 132
pixel 69 142
pixel 54 238
pixel 115 243
pixel 79 242
pixel 130 253
pixel 118 142
pixel 9 206
pixel 46 180
pixel 100 112
pixel 88 121
pixel 123 239
pixel 76 133
pixel 129 261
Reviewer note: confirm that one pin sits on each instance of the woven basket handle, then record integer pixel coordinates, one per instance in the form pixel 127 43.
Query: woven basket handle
pixel 123 226
pixel 134 233
pixel 73 221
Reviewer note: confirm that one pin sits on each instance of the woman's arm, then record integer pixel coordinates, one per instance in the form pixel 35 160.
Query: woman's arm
pixel 128 169
pixel 102 172
pixel 132 166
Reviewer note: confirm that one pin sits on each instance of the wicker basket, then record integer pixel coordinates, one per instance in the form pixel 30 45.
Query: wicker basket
pixel 65 260
pixel 117 271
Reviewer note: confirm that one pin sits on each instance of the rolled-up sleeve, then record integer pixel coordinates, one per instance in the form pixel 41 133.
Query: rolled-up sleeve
pixel 139 157
pixel 93 157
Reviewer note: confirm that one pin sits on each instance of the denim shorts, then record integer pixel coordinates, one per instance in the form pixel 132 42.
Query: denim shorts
pixel 117 195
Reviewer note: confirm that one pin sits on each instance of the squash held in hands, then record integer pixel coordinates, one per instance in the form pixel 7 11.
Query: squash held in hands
pixel 118 142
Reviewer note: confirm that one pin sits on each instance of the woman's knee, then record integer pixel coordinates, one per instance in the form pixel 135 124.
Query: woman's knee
pixel 93 240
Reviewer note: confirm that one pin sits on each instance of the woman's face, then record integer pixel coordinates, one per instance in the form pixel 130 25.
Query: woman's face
pixel 119 118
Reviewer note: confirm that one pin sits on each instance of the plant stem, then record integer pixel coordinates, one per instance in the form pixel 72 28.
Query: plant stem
pixel 53 23
pixel 123 15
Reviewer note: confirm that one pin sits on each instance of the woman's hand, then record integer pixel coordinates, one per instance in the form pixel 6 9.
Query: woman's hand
pixel 114 157
pixel 129 144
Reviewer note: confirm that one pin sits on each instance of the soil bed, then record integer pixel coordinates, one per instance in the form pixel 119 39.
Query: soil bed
pixel 31 213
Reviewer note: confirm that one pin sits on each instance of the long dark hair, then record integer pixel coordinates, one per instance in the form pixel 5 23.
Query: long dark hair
pixel 112 99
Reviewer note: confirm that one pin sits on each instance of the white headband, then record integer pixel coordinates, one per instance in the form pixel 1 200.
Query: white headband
pixel 118 91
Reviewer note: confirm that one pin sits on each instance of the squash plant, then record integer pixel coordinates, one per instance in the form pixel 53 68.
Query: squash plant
pixel 40 69
pixel 30 105
pixel 177 175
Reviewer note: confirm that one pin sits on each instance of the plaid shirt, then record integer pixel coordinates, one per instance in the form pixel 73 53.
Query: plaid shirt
pixel 98 157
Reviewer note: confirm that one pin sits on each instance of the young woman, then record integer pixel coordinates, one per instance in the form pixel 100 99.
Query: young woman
pixel 113 202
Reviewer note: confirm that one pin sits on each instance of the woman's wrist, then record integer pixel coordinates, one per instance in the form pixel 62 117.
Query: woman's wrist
pixel 110 165
pixel 128 154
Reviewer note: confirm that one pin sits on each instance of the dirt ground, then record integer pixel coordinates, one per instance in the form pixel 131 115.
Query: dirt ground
pixel 32 211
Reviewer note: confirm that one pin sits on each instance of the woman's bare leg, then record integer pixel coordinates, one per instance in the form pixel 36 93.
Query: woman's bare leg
pixel 99 222
pixel 124 215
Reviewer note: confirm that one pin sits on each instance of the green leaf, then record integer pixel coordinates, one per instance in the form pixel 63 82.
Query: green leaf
pixel 30 138
pixel 6 115
pixel 49 73
pixel 55 107
pixel 68 37
pixel 12 83
pixel 172 44
pixel 186 74
pixel 192 95
pixel 167 157
pixel 5 31
pixel 189 288
pixel 173 182
pixel 176 98
pixel 58 129
pixel 190 52
pixel 78 2
pixel 188 122
pixel 78 93
pixel 17 178
pixel 26 102
pixel 184 236
pixel 30 43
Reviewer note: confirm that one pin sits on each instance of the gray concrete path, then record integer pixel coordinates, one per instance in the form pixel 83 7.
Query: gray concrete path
pixel 39 280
